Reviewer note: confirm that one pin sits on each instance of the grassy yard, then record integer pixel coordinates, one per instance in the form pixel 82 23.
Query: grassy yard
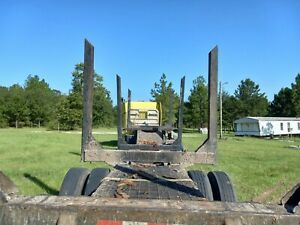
pixel 37 160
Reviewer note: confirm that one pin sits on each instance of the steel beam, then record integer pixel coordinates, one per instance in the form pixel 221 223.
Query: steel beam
pixel 180 117
pixel 88 84
pixel 128 109
pixel 119 103
pixel 149 156
pixel 172 147
pixel 210 144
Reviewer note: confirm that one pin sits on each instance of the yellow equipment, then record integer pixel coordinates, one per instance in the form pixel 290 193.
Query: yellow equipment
pixel 142 114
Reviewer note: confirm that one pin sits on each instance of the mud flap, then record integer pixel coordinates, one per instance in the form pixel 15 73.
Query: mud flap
pixel 291 200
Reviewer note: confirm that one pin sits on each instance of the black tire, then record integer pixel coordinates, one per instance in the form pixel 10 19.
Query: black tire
pixel 222 187
pixel 94 180
pixel 202 182
pixel 74 181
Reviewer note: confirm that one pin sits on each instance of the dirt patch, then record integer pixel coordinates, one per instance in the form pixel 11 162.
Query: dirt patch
pixel 265 196
pixel 7 185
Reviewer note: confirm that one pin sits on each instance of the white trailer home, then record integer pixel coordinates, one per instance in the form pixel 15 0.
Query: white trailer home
pixel 267 126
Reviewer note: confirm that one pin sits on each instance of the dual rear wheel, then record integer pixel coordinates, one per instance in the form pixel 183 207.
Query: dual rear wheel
pixel 214 186
pixel 82 181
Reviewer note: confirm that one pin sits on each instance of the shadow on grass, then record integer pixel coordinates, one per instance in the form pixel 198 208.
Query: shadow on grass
pixel 75 153
pixel 41 184
pixel 111 143
pixel 186 130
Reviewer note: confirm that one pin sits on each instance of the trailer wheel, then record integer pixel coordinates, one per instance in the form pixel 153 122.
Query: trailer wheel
pixel 74 181
pixel 94 180
pixel 202 182
pixel 222 187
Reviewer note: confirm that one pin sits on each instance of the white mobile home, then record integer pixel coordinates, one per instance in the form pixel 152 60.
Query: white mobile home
pixel 267 126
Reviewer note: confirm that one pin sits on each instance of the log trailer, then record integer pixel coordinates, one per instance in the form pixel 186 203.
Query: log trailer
pixel 148 183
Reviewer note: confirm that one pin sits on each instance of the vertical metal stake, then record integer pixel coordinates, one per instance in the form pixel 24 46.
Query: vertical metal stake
pixel 119 102
pixel 210 144
pixel 128 109
pixel 88 85
pixel 213 99
pixel 221 122
pixel 180 119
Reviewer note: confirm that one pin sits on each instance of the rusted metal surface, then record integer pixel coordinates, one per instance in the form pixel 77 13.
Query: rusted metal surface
pixel 184 158
pixel 210 144
pixel 148 181
pixel 50 210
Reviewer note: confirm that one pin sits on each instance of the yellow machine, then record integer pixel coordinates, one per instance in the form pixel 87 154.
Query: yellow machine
pixel 143 123
pixel 142 114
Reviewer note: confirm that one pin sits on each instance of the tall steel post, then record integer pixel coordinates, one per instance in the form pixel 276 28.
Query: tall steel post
pixel 221 124
pixel 88 83
pixel 180 119
pixel 128 109
pixel 119 102
pixel 210 144
pixel 213 96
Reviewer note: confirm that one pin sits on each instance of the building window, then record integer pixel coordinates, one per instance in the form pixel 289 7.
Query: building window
pixel 281 126
pixel 289 127
pixel 298 125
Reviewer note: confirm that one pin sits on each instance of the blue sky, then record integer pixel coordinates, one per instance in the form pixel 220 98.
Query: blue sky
pixel 141 39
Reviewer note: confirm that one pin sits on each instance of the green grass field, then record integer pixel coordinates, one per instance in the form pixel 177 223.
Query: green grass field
pixel 37 160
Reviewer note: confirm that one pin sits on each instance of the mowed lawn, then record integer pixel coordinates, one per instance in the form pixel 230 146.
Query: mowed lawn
pixel 36 160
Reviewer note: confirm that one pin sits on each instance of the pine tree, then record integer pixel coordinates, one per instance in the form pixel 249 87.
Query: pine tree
pixel 163 92
pixel 198 104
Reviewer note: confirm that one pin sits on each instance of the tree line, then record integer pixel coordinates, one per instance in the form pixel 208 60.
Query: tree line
pixel 35 104
pixel 247 100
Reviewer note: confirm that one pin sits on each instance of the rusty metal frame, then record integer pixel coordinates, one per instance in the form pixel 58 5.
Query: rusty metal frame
pixel 148 156
pixel 92 151
pixel 89 210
